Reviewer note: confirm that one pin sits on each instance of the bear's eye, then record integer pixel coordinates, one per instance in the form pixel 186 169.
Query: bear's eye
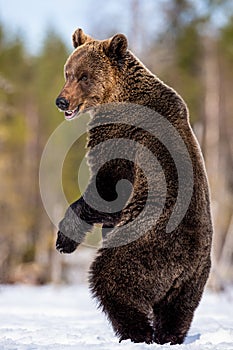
pixel 84 77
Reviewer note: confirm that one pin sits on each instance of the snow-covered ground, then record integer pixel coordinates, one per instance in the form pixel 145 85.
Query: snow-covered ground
pixel 66 318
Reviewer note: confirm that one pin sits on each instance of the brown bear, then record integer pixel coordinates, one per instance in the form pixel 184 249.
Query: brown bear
pixel 147 277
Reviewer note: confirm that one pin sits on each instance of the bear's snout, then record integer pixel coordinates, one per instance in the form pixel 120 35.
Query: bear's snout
pixel 62 103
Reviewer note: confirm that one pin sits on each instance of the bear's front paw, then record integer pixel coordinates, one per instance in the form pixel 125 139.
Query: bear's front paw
pixel 65 244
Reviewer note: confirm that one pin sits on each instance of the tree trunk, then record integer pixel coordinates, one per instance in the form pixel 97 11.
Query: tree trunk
pixel 211 140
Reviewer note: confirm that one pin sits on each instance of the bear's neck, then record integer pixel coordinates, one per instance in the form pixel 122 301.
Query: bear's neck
pixel 142 87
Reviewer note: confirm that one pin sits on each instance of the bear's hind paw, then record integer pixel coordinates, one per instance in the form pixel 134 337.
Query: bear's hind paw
pixel 138 338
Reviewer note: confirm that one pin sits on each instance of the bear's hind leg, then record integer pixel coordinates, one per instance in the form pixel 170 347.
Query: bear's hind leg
pixel 172 322
pixel 128 322
pixel 173 316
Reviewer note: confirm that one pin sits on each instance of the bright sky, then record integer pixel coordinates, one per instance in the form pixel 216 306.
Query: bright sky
pixel 32 18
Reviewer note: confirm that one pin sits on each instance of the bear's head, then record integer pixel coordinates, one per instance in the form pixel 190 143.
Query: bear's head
pixel 93 73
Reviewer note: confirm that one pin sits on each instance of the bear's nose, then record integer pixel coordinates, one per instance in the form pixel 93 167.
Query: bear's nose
pixel 62 103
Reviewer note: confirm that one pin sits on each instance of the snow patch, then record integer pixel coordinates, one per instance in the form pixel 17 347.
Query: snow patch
pixel 66 318
pixel 220 336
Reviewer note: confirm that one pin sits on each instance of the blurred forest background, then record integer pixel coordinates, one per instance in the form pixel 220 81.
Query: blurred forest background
pixel 192 51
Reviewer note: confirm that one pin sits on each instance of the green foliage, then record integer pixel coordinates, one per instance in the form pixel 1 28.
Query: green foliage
pixel 188 49
pixel 226 40
pixel 29 86
pixel 188 61
pixel 185 29
pixel 49 80
pixel 29 254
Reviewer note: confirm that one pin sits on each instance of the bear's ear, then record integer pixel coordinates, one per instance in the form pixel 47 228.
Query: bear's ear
pixel 116 47
pixel 80 38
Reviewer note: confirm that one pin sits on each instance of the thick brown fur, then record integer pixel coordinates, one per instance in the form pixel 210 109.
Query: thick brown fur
pixel 148 288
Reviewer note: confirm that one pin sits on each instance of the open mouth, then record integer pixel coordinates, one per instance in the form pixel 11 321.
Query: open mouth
pixel 70 114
